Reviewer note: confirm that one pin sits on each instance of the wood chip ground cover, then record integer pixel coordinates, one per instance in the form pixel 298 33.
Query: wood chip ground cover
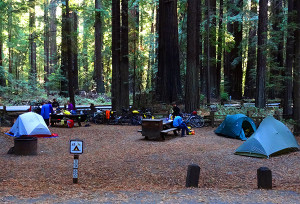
pixel 117 158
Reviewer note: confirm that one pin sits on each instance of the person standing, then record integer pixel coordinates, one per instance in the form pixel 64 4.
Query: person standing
pixel 55 104
pixel 176 110
pixel 46 111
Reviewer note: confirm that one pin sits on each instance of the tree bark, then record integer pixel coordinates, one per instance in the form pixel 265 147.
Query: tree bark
pixel 168 82
pixel 214 74
pixel 249 91
pixel 69 55
pixel 236 54
pixel 115 88
pixel 64 54
pixel 288 80
pixel 74 49
pixel 260 101
pixel 275 81
pixel 98 69
pixel 220 49
pixel 296 72
pixel 124 72
pixel 32 44
pixel 192 73
pixel 46 42
pixel 2 73
pixel 52 36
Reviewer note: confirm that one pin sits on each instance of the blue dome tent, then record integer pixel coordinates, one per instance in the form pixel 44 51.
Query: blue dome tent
pixel 237 126
pixel 270 139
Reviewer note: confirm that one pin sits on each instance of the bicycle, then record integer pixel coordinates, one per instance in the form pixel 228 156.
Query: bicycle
pixel 193 120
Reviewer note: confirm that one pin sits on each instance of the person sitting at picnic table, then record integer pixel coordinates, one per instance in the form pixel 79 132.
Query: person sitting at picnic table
pixel 179 123
pixel 176 110
pixel 46 111
pixel 70 106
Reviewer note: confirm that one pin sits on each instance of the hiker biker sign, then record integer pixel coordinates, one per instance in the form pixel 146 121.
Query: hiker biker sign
pixel 76 146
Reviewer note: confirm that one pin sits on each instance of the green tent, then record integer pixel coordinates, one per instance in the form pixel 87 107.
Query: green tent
pixel 270 139
pixel 236 126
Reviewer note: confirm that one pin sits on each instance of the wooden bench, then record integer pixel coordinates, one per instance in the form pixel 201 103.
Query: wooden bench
pixel 164 132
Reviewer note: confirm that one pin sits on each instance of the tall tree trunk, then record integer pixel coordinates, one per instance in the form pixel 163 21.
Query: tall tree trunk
pixel 192 73
pixel 69 54
pixel 169 84
pixel 296 72
pixel 32 44
pixel 85 63
pixel 52 37
pixel 249 91
pixel 135 13
pixel 64 53
pixel 74 41
pixel 236 53
pixel 208 69
pixel 288 80
pixel 260 101
pixel 98 69
pixel 214 74
pixel 46 42
pixel 124 72
pixel 2 73
pixel 220 49
pixel 228 53
pixel 10 50
pixel 199 47
pixel 275 81
pixel 115 88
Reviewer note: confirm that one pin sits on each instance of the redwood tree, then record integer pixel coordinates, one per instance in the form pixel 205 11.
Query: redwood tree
pixel 260 101
pixel 52 36
pixel 249 91
pixel 296 72
pixel 98 69
pixel 288 80
pixel 168 78
pixel 192 72
pixel 124 66
pixel 32 43
pixel 116 40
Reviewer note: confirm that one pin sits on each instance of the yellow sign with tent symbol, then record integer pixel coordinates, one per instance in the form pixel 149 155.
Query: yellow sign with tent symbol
pixel 76 146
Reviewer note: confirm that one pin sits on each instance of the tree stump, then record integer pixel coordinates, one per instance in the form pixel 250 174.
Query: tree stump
pixel 192 178
pixel 264 178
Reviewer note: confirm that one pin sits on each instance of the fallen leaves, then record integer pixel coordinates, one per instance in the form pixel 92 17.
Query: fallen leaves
pixel 118 158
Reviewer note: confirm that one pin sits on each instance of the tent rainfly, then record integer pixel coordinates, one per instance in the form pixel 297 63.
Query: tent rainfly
pixel 270 139
pixel 30 124
pixel 236 126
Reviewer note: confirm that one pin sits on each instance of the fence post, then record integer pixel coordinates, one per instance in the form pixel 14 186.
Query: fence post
pixel 212 118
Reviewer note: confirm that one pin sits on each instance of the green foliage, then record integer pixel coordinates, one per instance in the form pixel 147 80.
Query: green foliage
pixel 224 96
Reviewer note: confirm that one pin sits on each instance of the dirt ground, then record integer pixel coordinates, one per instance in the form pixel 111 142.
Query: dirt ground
pixel 118 158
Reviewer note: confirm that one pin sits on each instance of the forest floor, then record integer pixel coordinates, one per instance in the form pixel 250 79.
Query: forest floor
pixel 119 166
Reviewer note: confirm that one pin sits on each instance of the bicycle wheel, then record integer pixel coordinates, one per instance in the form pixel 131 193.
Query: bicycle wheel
pixel 197 122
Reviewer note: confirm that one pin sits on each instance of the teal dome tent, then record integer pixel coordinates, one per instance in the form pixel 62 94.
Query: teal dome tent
pixel 236 126
pixel 270 139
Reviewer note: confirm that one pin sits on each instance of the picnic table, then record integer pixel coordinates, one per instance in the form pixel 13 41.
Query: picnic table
pixel 157 128
pixel 76 118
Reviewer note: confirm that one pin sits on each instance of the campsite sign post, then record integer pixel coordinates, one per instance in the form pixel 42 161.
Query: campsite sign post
pixel 76 148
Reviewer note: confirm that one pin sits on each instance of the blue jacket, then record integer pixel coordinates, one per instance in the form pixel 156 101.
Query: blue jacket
pixel 177 121
pixel 46 110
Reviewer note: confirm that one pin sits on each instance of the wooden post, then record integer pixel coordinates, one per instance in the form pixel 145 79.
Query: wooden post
pixel 192 178
pixel 4 110
pixel 75 168
pixel 264 178
pixel 212 118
